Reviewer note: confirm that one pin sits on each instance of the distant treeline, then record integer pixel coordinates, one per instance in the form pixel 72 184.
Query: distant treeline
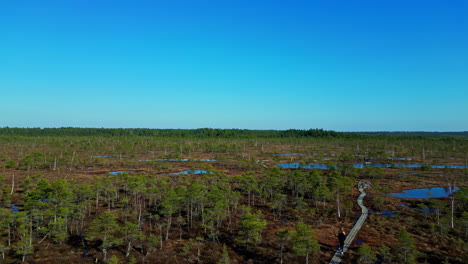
pixel 218 133
pixel 413 134
pixel 180 133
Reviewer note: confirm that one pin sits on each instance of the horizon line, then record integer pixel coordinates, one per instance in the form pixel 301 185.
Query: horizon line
pixel 272 129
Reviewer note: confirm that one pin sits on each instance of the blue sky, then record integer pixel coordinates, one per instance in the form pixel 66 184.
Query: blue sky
pixel 339 65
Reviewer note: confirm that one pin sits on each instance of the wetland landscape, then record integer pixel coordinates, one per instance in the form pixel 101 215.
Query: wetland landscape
pixel 233 132
pixel 225 196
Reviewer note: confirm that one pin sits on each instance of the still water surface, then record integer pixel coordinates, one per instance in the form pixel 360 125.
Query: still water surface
pixel 426 193
pixel 360 165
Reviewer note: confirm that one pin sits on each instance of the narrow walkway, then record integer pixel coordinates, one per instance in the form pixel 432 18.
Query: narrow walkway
pixel 349 239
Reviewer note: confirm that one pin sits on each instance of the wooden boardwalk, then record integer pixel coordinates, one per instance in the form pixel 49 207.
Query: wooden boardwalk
pixel 349 239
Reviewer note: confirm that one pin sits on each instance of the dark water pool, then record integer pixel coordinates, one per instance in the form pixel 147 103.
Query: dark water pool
pixel 385 213
pixel 400 158
pixel 14 208
pixel 117 156
pixel 118 172
pixel 190 172
pixel 179 160
pixel 297 165
pixel 426 193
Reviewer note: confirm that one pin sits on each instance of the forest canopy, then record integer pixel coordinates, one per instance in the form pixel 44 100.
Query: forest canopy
pixel 184 133
pixel 215 133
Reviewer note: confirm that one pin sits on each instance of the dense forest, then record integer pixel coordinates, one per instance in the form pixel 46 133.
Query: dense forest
pixel 179 133
pixel 211 133
pixel 118 196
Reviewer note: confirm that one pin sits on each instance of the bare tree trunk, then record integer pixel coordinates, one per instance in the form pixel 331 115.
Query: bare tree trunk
pixel 12 184
pixel 139 217
pixel 97 201
pixel 160 237
pixel 453 209
pixel 452 183
pixel 128 249
pixel 71 163
pixel 338 204
pixel 30 232
pixel 168 227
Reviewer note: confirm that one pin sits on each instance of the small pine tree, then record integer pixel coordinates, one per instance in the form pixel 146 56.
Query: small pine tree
pixel 304 241
pixel 282 236
pixel 405 248
pixel 385 254
pixel 105 228
pixel 23 246
pixel 113 260
pixel 132 260
pixel 225 259
pixel 251 226
pixel 366 255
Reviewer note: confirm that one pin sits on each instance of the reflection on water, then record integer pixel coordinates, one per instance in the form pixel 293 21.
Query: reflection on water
pixel 190 172
pixel 117 172
pixel 385 213
pixel 117 156
pixel 400 158
pixel 359 165
pixel 426 193
pixel 179 160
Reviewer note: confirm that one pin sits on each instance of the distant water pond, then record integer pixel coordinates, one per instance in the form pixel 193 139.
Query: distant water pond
pixel 426 193
pixel 385 213
pixel 179 160
pixel 13 208
pixel 86 168
pixel 118 172
pixel 118 156
pixel 297 165
pixel 190 172
pixel 359 165
pixel 400 158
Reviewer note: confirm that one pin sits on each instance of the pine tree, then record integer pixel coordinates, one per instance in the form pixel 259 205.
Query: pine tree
pixel 225 256
pixel 405 248
pixel 131 233
pixel 105 227
pixel 304 241
pixel 385 254
pixel 251 226
pixel 366 255
pixel 23 246
pixel 170 205
pixel 282 236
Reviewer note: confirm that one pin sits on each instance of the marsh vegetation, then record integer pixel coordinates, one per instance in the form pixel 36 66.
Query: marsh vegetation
pixel 118 196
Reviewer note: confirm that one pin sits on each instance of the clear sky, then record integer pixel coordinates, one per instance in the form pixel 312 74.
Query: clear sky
pixel 255 64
